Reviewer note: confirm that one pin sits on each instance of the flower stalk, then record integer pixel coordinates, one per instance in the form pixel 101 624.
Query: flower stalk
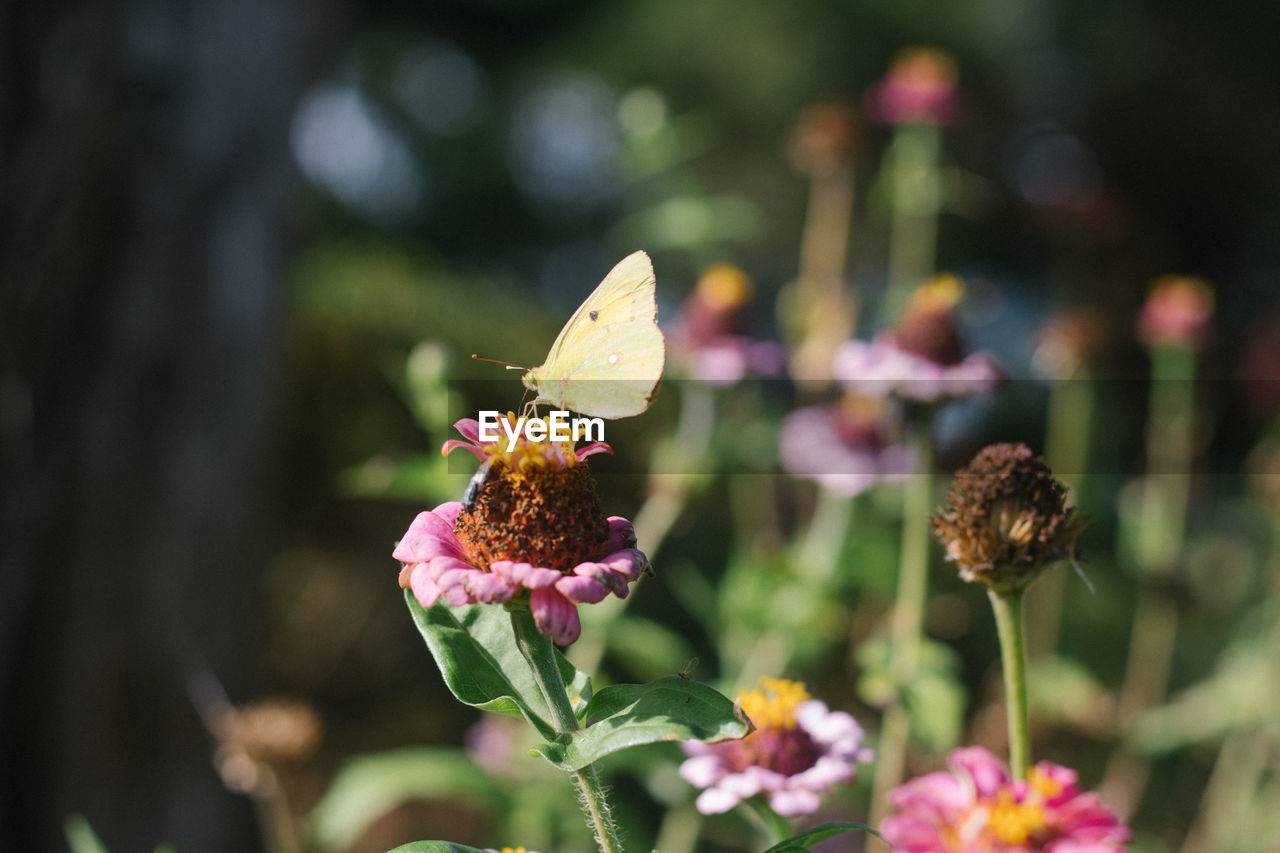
pixel 1067 442
pixel 539 652
pixel 1007 607
pixel 908 612
pixel 916 189
pixel 1175 324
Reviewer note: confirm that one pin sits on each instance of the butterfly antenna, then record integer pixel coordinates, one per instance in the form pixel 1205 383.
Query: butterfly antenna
pixel 509 365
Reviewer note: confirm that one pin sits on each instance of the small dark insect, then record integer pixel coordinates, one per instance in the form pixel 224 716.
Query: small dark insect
pixel 474 486
pixel 689 666
pixel 594 315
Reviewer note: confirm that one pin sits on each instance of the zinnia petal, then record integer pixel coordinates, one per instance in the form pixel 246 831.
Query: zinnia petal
pixel 940 810
pixel 622 534
pixel 793 803
pixel 526 575
pixel 592 449
pixel 430 535
pixel 582 589
pixel 555 616
pixel 734 770
pixel 716 801
pixel 468 428
pixel 424 588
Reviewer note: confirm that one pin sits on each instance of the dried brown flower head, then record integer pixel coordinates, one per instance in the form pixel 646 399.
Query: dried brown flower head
pixel 825 138
pixel 257 739
pixel 1005 519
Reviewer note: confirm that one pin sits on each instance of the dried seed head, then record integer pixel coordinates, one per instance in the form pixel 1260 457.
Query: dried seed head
pixel 1005 519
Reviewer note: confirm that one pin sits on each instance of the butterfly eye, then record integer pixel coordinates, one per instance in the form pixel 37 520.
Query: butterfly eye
pixel 594 315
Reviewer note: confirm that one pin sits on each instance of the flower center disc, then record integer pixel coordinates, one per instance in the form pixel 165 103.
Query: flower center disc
pixel 550 518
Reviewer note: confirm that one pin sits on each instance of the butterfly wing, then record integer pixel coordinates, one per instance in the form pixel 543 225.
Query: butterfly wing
pixel 607 360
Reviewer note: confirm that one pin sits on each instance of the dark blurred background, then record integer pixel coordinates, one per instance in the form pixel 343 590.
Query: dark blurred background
pixel 224 223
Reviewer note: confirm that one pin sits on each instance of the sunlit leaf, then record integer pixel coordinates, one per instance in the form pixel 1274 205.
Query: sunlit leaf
pixel 475 649
pixel 626 715
pixel 435 847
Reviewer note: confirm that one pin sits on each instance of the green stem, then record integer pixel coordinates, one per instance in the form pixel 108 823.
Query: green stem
pixel 774 826
pixel 1170 442
pixel 915 182
pixel 820 550
pixel 540 654
pixel 1007 607
pixel 1067 442
pixel 913 575
pixel 908 611
pixel 1160 538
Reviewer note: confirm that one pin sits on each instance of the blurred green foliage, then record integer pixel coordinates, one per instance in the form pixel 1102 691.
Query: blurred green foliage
pixel 1103 144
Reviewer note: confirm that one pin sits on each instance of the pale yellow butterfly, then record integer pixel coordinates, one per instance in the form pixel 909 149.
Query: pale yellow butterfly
pixel 608 359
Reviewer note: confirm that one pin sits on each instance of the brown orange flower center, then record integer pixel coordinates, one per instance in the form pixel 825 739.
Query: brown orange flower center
pixel 538 515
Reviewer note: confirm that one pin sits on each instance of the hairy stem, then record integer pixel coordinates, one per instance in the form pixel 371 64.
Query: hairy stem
pixel 540 653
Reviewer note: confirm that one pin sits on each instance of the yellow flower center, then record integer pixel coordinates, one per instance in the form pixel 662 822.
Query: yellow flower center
pixel 725 286
pixel 1046 786
pixel 939 294
pixel 773 704
pixel 1013 822
pixel 527 455
pixel 1009 821
pixel 924 66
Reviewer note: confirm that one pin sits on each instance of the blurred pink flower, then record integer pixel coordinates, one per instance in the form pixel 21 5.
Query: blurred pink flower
pixel 881 368
pixel 977 808
pixel 798 750
pixel 494 742
pixel 920 88
pixel 922 357
pixel 535 529
pixel 1178 312
pixel 843 446
pixel 708 339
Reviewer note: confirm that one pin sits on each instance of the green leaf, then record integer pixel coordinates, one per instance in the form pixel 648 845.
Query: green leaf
pixel 626 715
pixel 369 786
pixel 475 649
pixel 818 834
pixel 435 847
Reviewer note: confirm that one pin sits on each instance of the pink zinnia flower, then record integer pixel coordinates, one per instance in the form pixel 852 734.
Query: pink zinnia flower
pixel 708 339
pixel 842 446
pixel 798 750
pixel 533 529
pixel 920 88
pixel 977 808
pixel 1178 313
pixel 921 358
